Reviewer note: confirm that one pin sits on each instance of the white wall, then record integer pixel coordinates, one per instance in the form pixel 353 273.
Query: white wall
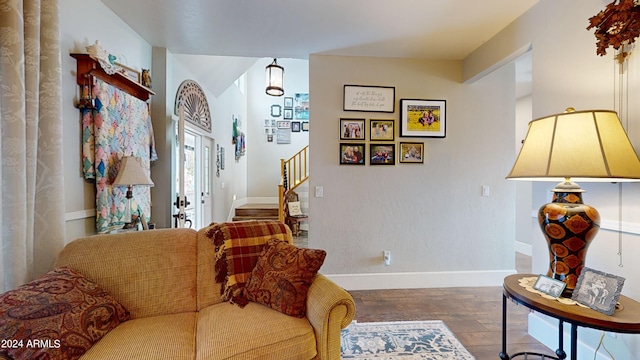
pixel 441 231
pixel 263 156
pixel 567 72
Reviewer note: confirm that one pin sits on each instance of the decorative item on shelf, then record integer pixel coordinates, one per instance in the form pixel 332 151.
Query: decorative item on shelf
pixel 275 79
pixel 146 78
pixel 130 173
pixel 589 146
pixel 618 26
pixel 86 100
pixel 102 56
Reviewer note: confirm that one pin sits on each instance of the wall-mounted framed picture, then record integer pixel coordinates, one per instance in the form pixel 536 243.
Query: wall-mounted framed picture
pixel 423 118
pixel 288 103
pixel 381 129
pixel 284 124
pixel 276 110
pixel 352 129
pixel 411 153
pixel 305 126
pixel 301 106
pixel 288 114
pixel 369 98
pixel 598 290
pixel 382 154
pixel 295 126
pixel 131 74
pixel 352 154
pixel 549 286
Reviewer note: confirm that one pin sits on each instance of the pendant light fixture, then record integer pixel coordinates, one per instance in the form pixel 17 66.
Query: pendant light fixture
pixel 275 79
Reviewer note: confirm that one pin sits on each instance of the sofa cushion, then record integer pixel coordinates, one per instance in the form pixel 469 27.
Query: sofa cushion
pixel 150 272
pixel 226 331
pixel 156 337
pixel 282 276
pixel 57 316
pixel 237 246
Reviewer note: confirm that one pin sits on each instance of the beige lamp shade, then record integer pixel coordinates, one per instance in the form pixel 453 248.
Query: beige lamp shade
pixel 581 145
pixel 132 172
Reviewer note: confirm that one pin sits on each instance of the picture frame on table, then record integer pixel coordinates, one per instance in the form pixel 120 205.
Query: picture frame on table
pixel 369 98
pixel 381 129
pixel 598 290
pixel 411 153
pixel 382 154
pixel 423 118
pixel 352 129
pixel 549 286
pixel 352 154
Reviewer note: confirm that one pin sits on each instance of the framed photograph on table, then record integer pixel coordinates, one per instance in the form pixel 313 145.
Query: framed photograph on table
pixel 381 129
pixel 411 153
pixel 382 154
pixel 352 129
pixel 423 118
pixel 369 98
pixel 598 290
pixel 549 286
pixel 352 154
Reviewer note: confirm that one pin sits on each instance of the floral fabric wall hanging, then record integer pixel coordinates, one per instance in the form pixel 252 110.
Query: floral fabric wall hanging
pixel 118 125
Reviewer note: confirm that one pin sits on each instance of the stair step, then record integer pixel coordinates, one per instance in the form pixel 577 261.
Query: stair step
pixel 256 212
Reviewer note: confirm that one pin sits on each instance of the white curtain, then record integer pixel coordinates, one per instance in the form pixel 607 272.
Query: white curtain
pixel 32 202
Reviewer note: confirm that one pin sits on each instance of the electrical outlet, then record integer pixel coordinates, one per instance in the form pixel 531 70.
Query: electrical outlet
pixel 386 255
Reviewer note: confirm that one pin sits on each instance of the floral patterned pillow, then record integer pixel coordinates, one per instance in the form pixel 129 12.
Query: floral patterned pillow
pixel 57 316
pixel 282 277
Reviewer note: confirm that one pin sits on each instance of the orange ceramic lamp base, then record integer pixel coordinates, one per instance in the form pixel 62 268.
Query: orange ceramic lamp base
pixel 568 226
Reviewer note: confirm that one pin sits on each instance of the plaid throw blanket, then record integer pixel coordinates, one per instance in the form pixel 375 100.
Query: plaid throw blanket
pixel 237 248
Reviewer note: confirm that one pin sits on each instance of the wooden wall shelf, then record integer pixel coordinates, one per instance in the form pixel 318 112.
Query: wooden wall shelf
pixel 88 66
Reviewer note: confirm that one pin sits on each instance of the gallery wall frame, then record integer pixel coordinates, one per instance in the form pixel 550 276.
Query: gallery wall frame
pixel 411 153
pixel 423 118
pixel 352 153
pixel 382 154
pixel 369 98
pixel 352 129
pixel 382 129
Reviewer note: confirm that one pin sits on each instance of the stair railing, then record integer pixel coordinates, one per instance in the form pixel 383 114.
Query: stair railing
pixel 293 172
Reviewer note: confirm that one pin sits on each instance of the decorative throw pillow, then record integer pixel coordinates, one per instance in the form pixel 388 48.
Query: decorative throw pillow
pixel 282 277
pixel 58 316
pixel 237 247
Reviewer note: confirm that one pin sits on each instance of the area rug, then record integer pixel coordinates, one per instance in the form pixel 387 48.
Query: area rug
pixel 402 340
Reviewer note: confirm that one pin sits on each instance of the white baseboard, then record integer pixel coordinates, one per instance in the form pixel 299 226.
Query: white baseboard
pixel 523 248
pixel 413 280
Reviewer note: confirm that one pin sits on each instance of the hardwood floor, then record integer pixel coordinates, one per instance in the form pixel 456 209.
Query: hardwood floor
pixel 474 314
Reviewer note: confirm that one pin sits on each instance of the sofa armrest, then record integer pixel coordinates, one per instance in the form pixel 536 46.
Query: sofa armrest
pixel 330 309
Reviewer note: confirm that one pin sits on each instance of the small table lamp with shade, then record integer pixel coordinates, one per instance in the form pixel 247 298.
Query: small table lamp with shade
pixel 586 146
pixel 130 173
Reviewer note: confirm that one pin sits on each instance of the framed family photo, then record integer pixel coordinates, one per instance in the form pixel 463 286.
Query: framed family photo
pixel 411 152
pixel 549 286
pixel 423 118
pixel 382 154
pixel 352 154
pixel 381 130
pixel 352 129
pixel 598 290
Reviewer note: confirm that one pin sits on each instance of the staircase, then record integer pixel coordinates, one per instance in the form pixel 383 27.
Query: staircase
pixel 256 212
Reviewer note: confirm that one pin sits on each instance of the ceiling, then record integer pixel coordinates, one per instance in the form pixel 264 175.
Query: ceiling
pixel 421 29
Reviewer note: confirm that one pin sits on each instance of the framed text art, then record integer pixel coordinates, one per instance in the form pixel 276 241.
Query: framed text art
pixel 423 118
pixel 381 130
pixel 369 98
pixel 352 154
pixel 352 129
pixel 411 152
pixel 382 154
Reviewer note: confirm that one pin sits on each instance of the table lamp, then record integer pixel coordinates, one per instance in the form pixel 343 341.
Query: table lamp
pixel 131 172
pixel 589 146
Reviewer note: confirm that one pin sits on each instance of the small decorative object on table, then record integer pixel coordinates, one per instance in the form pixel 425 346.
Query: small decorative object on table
pixel 598 290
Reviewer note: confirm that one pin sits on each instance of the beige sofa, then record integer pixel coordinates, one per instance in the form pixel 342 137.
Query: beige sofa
pixel 165 279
